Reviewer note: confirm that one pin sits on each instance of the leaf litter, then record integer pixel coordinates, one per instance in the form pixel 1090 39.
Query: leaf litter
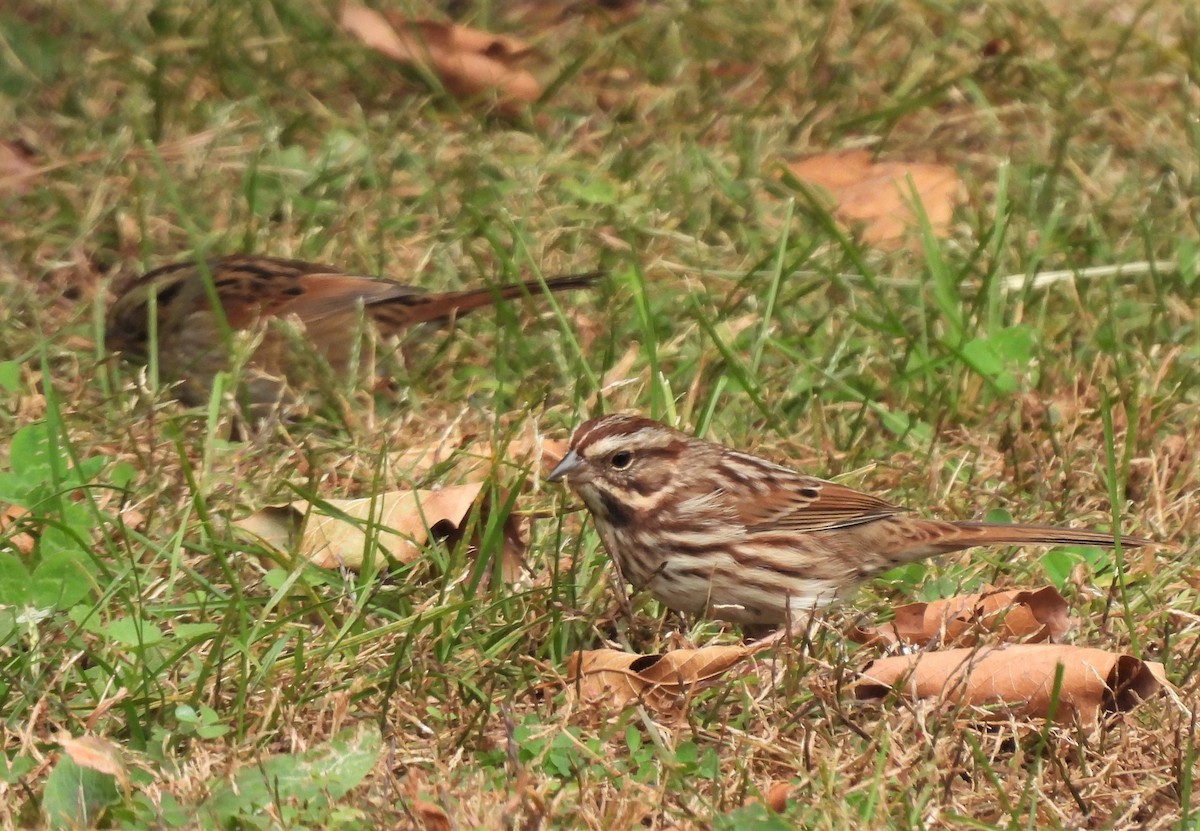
pixel 882 197
pixel 1030 615
pixel 467 61
pixel 1070 684
pixel 340 533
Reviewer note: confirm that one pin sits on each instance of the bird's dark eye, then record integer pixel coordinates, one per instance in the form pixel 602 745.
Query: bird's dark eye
pixel 621 459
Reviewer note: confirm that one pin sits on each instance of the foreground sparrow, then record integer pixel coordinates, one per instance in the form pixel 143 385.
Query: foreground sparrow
pixel 253 291
pixel 712 531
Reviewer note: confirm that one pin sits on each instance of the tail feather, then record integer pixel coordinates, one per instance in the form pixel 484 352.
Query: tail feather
pixel 997 534
pixel 911 538
pixel 464 301
pixel 403 309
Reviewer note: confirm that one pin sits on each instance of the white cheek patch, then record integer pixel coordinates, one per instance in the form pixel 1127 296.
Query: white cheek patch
pixel 591 498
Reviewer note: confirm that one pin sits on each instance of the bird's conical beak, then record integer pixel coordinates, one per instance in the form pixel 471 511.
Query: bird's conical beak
pixel 569 462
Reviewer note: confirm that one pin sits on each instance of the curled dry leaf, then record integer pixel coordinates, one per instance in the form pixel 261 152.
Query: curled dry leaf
pixel 427 815
pixel 430 816
pixel 1014 614
pixel 1019 680
pixel 778 795
pixel 467 61
pixel 774 797
pixel 336 533
pixel 12 517
pixel 878 196
pixel 97 754
pixel 608 677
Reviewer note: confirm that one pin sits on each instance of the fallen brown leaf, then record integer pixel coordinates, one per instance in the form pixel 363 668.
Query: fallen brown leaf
pixel 1033 615
pixel 775 797
pixel 97 754
pixel 467 61
pixel 335 533
pixel 612 678
pixel 778 795
pixel 878 196
pixel 431 817
pixel 22 541
pixel 1018 680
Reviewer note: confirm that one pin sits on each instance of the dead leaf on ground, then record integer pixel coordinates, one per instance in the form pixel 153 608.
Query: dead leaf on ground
pixel 1019 680
pixel 467 61
pixel 1014 614
pixel 778 795
pixel 474 458
pixel 774 797
pixel 12 516
pixel 104 706
pixel 132 519
pixel 431 816
pixel 608 677
pixel 336 532
pixel 17 169
pixel 428 815
pixel 96 754
pixel 878 196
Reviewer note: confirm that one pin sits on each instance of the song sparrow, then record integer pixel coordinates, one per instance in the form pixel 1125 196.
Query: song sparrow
pixel 193 342
pixel 713 531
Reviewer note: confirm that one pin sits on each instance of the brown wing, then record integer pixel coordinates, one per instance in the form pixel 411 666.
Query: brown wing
pixel 397 312
pixel 310 291
pixel 316 293
pixel 810 504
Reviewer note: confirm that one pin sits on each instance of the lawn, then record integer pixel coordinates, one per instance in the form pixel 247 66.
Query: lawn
pixel 1032 356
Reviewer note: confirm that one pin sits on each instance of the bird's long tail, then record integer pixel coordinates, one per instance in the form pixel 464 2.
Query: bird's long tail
pixel 461 302
pixel 926 538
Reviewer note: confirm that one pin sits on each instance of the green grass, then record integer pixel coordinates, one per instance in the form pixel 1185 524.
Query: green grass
pixel 735 308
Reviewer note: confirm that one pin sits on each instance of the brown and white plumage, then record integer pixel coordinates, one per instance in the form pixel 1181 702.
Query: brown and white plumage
pixel 253 291
pixel 714 531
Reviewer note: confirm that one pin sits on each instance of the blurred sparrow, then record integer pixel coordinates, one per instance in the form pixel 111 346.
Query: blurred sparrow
pixel 176 303
pixel 712 531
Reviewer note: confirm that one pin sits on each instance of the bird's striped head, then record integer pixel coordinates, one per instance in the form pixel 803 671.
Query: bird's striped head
pixel 622 463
